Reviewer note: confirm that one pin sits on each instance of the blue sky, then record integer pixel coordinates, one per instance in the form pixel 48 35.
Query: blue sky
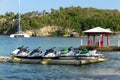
pixel 40 5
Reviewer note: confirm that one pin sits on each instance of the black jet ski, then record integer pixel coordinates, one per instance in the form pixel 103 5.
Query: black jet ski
pixel 20 52
pixel 51 53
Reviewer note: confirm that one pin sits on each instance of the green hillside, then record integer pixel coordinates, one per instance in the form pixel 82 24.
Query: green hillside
pixel 76 18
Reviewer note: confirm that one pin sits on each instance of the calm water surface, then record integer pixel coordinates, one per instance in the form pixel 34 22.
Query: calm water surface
pixel 109 70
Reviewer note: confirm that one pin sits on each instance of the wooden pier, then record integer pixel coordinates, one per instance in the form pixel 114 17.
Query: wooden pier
pixel 51 61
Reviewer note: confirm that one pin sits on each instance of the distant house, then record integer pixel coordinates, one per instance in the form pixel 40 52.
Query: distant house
pixel 74 34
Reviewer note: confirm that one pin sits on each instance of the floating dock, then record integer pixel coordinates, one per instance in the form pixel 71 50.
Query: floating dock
pixel 5 59
pixel 71 62
pixel 104 48
pixel 51 61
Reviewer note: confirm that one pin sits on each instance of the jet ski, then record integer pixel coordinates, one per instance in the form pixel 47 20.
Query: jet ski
pixel 20 51
pixel 51 53
pixel 35 54
pixel 88 54
pixel 68 53
pixel 14 53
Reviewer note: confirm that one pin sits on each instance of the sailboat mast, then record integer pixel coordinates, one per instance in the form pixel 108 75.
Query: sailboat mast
pixel 19 30
pixel 19 34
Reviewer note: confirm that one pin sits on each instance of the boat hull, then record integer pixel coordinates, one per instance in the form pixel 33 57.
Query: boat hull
pixel 19 35
pixel 36 57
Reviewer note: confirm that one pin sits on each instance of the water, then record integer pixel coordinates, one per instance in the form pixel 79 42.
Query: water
pixel 108 70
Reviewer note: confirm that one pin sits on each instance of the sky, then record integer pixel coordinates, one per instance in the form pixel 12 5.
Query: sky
pixel 47 5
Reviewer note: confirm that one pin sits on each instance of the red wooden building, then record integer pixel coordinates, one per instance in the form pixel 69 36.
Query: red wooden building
pixel 98 31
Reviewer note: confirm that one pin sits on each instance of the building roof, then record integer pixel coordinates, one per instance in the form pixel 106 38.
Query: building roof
pixel 98 30
pixel 74 32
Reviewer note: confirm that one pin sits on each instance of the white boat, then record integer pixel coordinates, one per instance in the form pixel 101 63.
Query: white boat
pixel 19 33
